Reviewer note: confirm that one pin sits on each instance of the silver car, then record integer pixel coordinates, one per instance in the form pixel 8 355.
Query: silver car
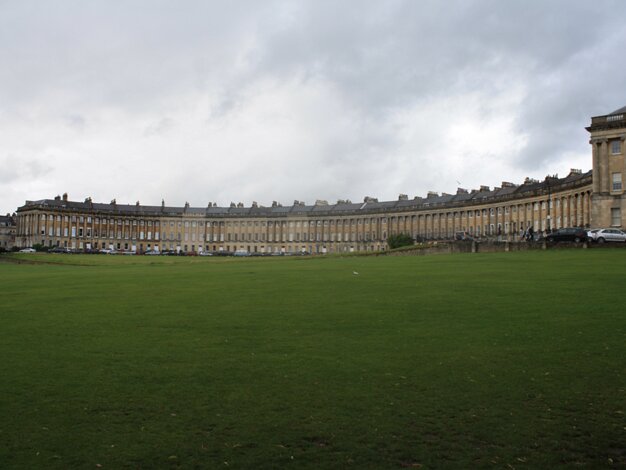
pixel 609 235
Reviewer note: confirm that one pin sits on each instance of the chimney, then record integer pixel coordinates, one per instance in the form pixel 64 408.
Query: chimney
pixel 432 194
pixel 65 197
pixel 403 197
pixel 484 188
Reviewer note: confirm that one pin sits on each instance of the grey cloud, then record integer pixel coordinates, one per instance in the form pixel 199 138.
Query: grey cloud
pixel 76 122
pixel 90 64
pixel 160 127
pixel 14 169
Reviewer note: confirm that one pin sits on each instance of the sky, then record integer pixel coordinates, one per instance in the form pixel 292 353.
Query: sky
pixel 241 101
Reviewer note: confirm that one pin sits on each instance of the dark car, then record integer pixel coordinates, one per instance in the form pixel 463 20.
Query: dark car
pixel 463 236
pixel 575 235
pixel 59 249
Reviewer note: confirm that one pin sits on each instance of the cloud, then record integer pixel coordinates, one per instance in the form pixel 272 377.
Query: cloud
pixel 160 127
pixel 307 100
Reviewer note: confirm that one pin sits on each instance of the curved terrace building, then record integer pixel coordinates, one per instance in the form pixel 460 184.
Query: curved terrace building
pixel 594 198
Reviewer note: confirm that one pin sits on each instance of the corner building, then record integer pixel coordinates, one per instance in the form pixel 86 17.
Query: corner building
pixel 591 199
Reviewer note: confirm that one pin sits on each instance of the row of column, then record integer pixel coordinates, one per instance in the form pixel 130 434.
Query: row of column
pixel 572 210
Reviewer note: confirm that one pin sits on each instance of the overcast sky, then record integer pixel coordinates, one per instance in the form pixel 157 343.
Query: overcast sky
pixel 247 101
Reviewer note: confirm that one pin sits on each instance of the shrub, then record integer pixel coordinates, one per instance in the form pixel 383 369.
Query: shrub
pixel 399 240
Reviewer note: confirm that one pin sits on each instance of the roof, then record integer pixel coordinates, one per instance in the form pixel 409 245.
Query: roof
pixel 618 111
pixel 483 196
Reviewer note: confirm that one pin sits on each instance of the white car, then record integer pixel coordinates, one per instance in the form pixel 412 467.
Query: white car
pixel 609 235
pixel 591 234
pixel 28 250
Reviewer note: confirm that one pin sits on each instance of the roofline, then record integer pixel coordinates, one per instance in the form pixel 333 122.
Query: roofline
pixel 528 189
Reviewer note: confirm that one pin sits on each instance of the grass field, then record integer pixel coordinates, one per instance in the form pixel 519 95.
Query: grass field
pixel 512 360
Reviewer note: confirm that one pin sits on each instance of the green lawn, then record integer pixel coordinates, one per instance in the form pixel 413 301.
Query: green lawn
pixel 478 360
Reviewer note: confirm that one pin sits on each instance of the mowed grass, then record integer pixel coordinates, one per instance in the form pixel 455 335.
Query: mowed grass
pixel 478 360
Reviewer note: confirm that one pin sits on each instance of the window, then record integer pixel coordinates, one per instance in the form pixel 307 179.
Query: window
pixel 616 217
pixel 616 147
pixel 617 181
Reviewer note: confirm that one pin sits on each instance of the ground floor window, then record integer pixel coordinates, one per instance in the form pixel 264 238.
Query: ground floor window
pixel 616 217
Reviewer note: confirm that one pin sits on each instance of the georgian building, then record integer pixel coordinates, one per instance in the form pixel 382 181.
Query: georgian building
pixel 590 199
pixel 7 232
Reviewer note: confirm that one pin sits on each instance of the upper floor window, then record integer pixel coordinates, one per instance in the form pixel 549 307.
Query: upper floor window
pixel 616 146
pixel 617 181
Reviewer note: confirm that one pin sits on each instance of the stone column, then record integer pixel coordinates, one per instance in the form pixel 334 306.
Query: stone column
pixel 596 164
pixel 604 166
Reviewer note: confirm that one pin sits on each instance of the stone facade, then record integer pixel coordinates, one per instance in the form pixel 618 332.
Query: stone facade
pixel 7 232
pixel 607 142
pixel 591 199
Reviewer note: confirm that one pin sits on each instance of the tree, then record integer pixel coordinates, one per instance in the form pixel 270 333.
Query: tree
pixel 401 239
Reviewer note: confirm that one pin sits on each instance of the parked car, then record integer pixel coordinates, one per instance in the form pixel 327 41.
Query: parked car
pixel 572 234
pixel 59 249
pixel 151 252
pixel 609 235
pixel 107 251
pixel 461 236
pixel 591 234
pixel 28 250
